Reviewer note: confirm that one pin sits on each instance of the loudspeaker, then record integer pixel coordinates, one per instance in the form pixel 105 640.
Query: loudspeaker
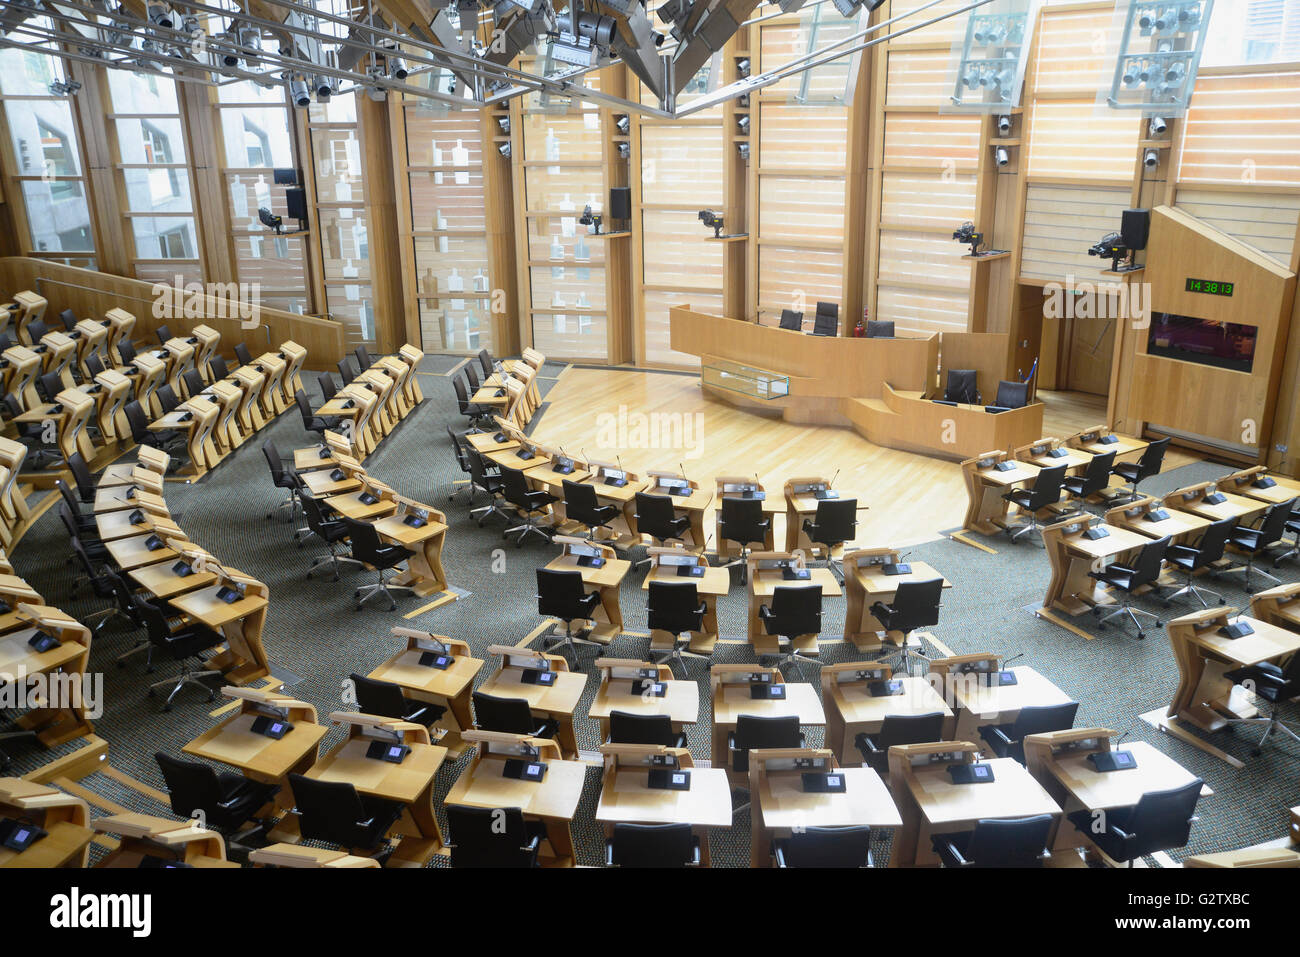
pixel 620 202
pixel 296 201
pixel 1134 227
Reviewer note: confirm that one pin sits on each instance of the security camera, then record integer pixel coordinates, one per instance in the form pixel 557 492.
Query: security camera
pixel 623 124
pixel 299 93
pixel 1001 156
pixel 322 87
pixel 397 68
pixel 1004 125
pixel 160 15
pixel 1151 159
pixel 1157 126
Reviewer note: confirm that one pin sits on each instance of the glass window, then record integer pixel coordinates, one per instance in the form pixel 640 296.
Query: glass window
pixel 1252 31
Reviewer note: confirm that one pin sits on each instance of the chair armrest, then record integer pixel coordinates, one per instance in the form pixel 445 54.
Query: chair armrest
pixel 609 853
pixel 1183 551
pixel 778 852
pixel 415 716
pixel 956 854
pixel 695 852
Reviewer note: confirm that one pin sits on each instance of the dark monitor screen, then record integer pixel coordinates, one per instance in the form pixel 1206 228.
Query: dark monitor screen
pixel 1227 345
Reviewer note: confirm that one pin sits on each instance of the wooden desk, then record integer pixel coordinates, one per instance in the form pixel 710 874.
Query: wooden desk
pixel 1203 655
pixel 1093 440
pixel 744 488
pixel 680 701
pixel 692 505
pixel 980 703
pixel 801 503
pixel 715 582
pixel 424 573
pixel 1193 499
pixel 763 584
pixel 557 702
pixel 781 806
pixel 866 583
pixel 930 803
pixel 731 698
pixel 1283 489
pixel 241 621
pixel 986 509
pixel 310 460
pixel 485 443
pixel 173 842
pixel 1181 527
pixel 63 818
pixel 1040 453
pixel 292 855
pixel 323 484
pixel 1072 556
pixel 449 688
pixel 160 581
pixel 852 710
pixel 349 504
pixel 553 800
pixel 607 579
pixel 65 664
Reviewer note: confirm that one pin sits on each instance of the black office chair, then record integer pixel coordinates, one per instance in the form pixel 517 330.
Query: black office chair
pixel 167 399
pixel 320 424
pixel 493 837
pixel 243 355
pixel 754 733
pixel 32 435
pixel 478 415
pixel 483 479
pixel 1204 554
pixel 94 365
pixel 337 813
pixel 795 610
pixel 652 845
pixel 225 800
pixel 582 506
pixel 826 321
pixel 12 732
pixel 462 461
pixel 485 363
pixel 1275 685
pixel 915 605
pixel 628 728
pixel 656 517
pixel 878 329
pixel 327 387
pixel 1256 542
pixel 1015 842
pixel 1160 821
pixel 962 387
pixel 364 359
pixel 101 584
pixel 126 352
pixel 791 320
pixel 675 607
pixel 816 846
pixel 37 330
pixel 82 478
pixel 1035 500
pixel 217 366
pixel 183 643
pixel 163 334
pixel 388 700
pixel 345 370
pixel 741 520
pixel 69 320
pixel 898 729
pixel 325 524
pixel 170 441
pixel 834 523
pixel 86 523
pixel 1095 478
pixel 511 716
pixel 1135 473
pixel 368 549
pixel 561 594
pixel 471 377
pixel 192 379
pixel 49 385
pixel 1011 395
pixel 283 475
pixel 527 502
pixel 1145 571
pixel 1008 740
pixel 126 604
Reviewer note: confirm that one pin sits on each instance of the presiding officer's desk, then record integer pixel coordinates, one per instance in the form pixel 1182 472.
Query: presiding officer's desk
pixel 553 800
pixel 1208 501
pixel 446 680
pixel 852 708
pixel 1256 482
pixel 1204 655
pixel 1143 515
pixel 627 797
pixel 988 477
pixel 62 817
pixel 1072 554
pixel 1060 762
pixel 732 697
pixel 930 803
pixel 867 580
pixel 556 699
pixel 781 805
pixel 146 841
pixel 642 688
pixel 767 571
pixel 578 555
pixel 409 783
pixel 984 691
pixel 665 563
pixel 256 755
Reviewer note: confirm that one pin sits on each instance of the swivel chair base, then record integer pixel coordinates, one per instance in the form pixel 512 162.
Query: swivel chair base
pixel 1124 608
pixel 382 587
pixel 1271 723
pixel 188 676
pixel 551 641
pixel 678 653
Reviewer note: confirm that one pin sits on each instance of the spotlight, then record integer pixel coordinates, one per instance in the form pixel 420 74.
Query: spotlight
pixel 504 123
pixel 743 150
pixel 742 101
pixel 299 94
pixel 624 150
pixel 965 233
pixel 971 78
pixel 64 87
pixel 742 67
pixel 1157 125
pixel 623 124
pixel 504 150
pixel 1151 159
pixel 1001 156
pixel 742 122
pixel 397 68
pixel 712 220
pixel 1004 125
pixel 160 15
pixel 323 89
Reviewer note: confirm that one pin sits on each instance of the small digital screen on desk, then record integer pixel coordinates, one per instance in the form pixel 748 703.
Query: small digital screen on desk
pixel 394 753
pixel 979 771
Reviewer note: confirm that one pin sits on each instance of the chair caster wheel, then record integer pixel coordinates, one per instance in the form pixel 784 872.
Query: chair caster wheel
pixel 151 693
pixel 212 697
pixel 335 578
pixel 166 707
pixel 358 608
pixel 1223 601
pixel 1140 636
pixel 357 593
pixel 1255 752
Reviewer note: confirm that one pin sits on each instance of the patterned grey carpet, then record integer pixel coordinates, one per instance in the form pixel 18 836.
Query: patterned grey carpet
pixel 315 639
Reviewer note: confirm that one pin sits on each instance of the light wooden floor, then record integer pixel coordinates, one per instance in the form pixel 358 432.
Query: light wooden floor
pixel 661 421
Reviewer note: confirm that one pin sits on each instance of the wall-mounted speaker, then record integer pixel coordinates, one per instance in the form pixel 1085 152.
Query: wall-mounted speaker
pixel 1134 227
pixel 296 201
pixel 620 202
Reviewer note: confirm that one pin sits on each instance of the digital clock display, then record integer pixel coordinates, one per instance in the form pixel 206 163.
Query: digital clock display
pixel 1210 286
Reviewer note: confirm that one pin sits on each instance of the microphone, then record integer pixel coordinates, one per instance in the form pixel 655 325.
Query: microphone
pixel 1008 661
pixel 833 478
